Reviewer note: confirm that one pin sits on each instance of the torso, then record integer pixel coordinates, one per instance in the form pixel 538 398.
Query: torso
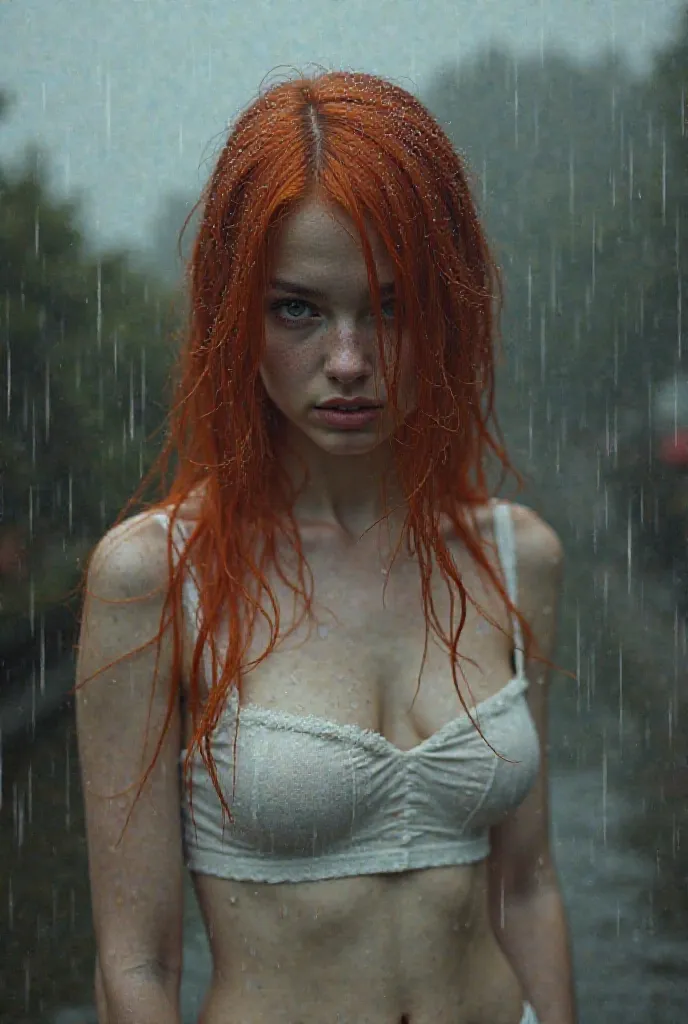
pixel 380 948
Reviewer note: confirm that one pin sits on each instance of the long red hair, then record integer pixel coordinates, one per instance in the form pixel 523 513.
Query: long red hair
pixel 370 148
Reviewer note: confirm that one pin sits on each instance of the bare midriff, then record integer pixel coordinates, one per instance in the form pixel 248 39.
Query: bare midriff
pixel 409 948
pixel 415 947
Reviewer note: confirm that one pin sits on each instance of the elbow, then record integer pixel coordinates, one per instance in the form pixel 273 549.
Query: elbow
pixel 101 1002
pixel 141 993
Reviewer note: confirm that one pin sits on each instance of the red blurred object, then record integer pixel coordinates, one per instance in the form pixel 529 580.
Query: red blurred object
pixel 12 553
pixel 673 449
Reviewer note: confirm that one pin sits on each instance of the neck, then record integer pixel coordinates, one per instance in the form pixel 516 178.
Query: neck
pixel 345 492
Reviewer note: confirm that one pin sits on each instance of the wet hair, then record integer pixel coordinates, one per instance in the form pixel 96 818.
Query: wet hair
pixel 372 150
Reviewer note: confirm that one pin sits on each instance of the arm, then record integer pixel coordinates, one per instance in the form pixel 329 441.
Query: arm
pixel 526 906
pixel 136 878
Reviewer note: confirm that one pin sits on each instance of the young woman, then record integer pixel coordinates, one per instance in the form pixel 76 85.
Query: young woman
pixel 328 623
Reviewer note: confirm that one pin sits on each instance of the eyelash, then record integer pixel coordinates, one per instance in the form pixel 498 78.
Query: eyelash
pixel 290 323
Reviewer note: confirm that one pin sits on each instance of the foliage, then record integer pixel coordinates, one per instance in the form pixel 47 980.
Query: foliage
pixel 582 174
pixel 86 346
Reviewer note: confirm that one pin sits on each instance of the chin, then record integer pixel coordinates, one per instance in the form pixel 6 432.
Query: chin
pixel 334 442
pixel 349 443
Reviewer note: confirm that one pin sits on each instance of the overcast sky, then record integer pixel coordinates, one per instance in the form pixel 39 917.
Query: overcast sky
pixel 131 97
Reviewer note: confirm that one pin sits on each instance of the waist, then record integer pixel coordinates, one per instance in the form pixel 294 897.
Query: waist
pixel 220 1008
pixel 368 948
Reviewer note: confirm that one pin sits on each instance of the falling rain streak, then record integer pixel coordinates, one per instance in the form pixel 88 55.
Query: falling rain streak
pixel 581 172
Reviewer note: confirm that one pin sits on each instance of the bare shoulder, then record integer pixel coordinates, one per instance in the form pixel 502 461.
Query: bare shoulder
pixel 538 545
pixel 125 594
pixel 131 559
pixel 540 560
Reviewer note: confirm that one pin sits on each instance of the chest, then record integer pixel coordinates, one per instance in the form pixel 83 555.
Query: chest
pixel 360 659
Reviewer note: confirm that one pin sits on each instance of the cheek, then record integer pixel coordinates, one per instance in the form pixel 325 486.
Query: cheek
pixel 286 368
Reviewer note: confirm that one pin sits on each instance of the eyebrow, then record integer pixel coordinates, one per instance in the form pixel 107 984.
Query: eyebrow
pixel 389 288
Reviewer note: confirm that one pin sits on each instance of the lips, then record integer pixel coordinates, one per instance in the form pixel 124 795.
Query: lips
pixel 350 404
pixel 350 408
pixel 347 414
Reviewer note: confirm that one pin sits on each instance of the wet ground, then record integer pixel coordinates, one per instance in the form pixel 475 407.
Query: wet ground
pixel 620 823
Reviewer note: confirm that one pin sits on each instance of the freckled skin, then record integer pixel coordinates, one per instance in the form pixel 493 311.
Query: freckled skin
pixel 412 948
pixel 418 946
pixel 320 348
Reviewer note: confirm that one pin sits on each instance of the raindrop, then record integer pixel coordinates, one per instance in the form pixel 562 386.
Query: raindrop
pixel 108 109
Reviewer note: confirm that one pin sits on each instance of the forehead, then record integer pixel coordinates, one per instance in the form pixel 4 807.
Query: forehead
pixel 317 238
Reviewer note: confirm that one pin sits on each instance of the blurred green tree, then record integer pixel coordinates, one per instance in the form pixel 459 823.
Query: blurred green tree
pixel 582 175
pixel 86 345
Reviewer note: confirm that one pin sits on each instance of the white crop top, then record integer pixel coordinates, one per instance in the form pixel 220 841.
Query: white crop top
pixel 316 800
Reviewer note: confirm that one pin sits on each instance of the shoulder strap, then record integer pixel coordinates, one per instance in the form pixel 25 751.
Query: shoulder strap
pixel 506 547
pixel 191 599
pixel 189 586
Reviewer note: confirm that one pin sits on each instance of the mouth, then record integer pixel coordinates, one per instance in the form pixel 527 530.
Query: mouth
pixel 347 414
pixel 350 405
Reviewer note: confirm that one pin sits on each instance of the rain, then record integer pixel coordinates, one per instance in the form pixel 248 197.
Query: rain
pixel 571 117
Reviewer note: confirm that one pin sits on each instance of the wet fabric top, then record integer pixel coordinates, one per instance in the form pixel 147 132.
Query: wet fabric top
pixel 315 799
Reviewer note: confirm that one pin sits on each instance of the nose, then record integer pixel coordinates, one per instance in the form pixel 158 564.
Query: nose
pixel 349 356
